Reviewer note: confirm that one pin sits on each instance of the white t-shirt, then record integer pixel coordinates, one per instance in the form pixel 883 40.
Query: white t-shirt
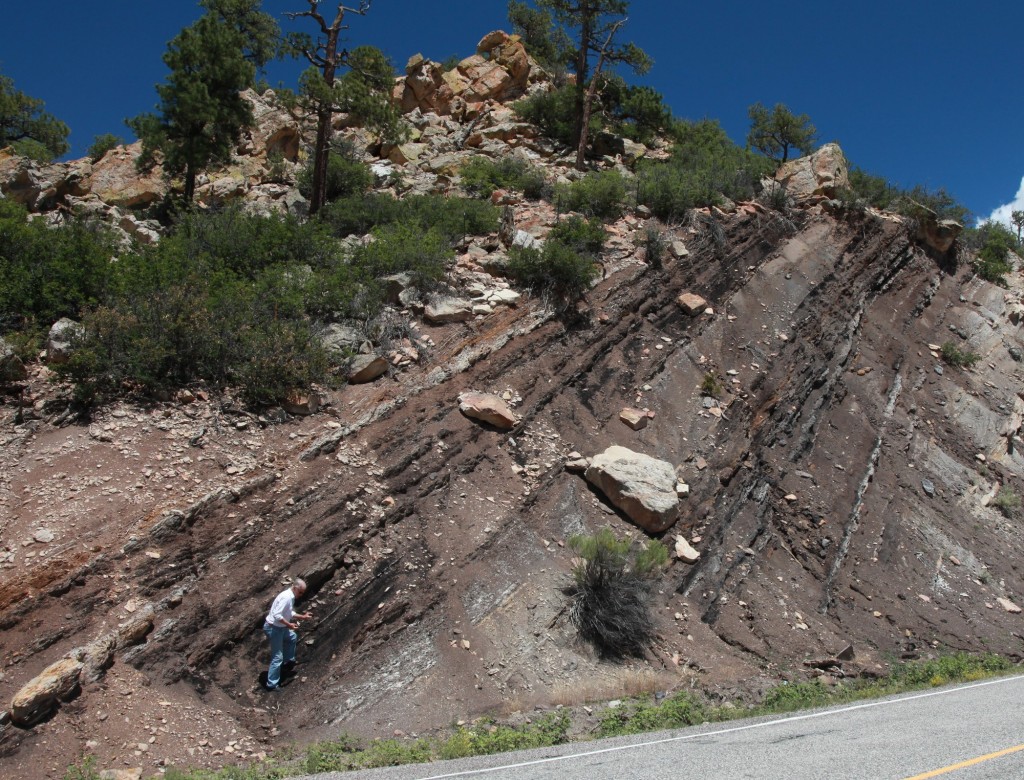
pixel 281 610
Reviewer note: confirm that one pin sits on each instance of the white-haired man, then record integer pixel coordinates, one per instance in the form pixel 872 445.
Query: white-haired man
pixel 280 625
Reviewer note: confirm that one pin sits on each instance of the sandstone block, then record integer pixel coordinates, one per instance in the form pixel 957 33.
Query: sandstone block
pixel 692 303
pixel 641 486
pixel 487 408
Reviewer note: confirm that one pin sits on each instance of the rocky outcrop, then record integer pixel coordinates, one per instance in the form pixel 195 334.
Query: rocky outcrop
pixel 116 181
pixel 11 367
pixel 821 173
pixel 642 487
pixel 501 70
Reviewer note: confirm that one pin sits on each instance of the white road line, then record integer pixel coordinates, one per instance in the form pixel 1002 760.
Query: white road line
pixel 749 727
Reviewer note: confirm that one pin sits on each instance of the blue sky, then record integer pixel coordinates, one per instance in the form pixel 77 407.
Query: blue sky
pixel 919 91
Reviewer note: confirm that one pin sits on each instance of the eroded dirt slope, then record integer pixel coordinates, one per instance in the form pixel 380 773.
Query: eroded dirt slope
pixel 839 496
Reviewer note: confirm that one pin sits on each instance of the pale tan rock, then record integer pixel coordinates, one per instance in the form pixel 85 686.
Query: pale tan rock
pixel 692 303
pixel 135 630
pixel 641 486
pixel 133 773
pixel 446 310
pixel 58 682
pixel 366 368
pixel 115 180
pixel 301 404
pixel 684 551
pixel 487 408
pixel 1009 606
pixel 821 173
pixel 634 418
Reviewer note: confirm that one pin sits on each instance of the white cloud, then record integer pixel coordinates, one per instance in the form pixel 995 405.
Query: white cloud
pixel 1002 214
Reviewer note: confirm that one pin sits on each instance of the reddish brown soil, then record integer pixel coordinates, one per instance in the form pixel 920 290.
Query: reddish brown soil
pixel 435 566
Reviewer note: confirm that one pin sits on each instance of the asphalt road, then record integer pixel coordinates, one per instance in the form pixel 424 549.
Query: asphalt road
pixel 965 732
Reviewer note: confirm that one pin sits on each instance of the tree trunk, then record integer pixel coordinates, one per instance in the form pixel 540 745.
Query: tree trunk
pixel 588 103
pixel 582 70
pixel 324 114
pixel 190 183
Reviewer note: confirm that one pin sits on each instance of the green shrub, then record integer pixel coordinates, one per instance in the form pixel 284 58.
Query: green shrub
pixel 710 386
pixel 484 738
pixel 49 273
pixel 956 357
pixel 101 144
pixel 554 113
pixel 638 113
pixel 1006 501
pixel 481 176
pixel 346 176
pixel 655 245
pixel 583 236
pixel 600 194
pixel 557 273
pixel 993 243
pixel 406 248
pixel 636 717
pixel 452 217
pixel 705 167
pixel 610 591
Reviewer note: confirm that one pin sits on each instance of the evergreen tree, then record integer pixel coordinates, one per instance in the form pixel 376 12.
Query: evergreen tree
pixel 201 111
pixel 25 126
pixel 1017 219
pixel 364 90
pixel 588 27
pixel 775 132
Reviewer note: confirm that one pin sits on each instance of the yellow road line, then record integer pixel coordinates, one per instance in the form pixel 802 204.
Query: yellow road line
pixel 965 764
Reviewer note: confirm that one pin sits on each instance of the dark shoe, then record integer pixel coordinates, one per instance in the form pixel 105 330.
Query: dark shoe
pixel 269 688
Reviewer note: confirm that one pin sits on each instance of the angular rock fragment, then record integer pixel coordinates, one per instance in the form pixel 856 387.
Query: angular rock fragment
pixel 58 682
pixel 487 408
pixel 684 551
pixel 634 418
pixel 692 303
pixel 446 310
pixel 366 368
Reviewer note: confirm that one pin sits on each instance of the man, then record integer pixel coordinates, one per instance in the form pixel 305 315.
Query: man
pixel 280 628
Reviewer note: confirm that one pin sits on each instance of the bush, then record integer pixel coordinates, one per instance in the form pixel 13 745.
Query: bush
pixel 993 243
pixel 956 357
pixel 346 176
pixel 554 113
pixel 481 176
pixel 1006 501
pixel 557 273
pixel 600 194
pixel 49 273
pixel 610 590
pixel 679 710
pixel 452 217
pixel 710 386
pixel 101 144
pixel 655 245
pixel 638 113
pixel 583 236
pixel 705 167
pixel 406 248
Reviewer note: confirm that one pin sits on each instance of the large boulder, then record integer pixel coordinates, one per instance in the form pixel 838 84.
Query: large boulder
pixel 58 682
pixel 487 408
pixel 342 340
pixel 60 342
pixel 366 368
pixel 821 173
pixel 444 310
pixel 642 487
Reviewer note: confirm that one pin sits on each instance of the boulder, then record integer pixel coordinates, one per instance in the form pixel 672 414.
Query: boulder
pixel 640 486
pixel 487 408
pixel 341 340
pixel 61 339
pixel 684 551
pixel 692 303
pixel 444 310
pixel 821 173
pixel 634 418
pixel 366 368
pixel 301 404
pixel 58 682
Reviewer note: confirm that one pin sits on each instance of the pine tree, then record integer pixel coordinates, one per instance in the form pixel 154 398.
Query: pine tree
pixel 363 90
pixel 25 126
pixel 201 111
pixel 775 132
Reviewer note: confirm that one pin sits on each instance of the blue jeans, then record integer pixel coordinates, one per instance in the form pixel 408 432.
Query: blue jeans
pixel 282 650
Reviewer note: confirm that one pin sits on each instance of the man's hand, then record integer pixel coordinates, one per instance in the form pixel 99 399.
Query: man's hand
pixel 304 616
